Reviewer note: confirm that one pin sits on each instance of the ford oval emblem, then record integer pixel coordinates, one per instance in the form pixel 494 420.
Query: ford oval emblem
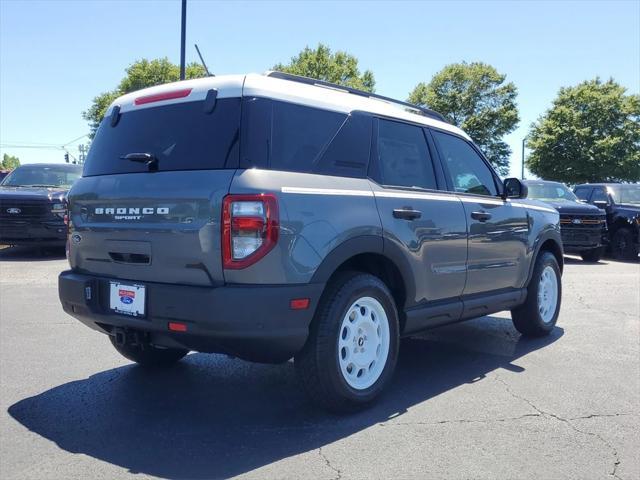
pixel 13 211
pixel 126 300
pixel 76 238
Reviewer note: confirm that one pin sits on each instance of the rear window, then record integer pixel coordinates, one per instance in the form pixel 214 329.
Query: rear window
pixel 181 136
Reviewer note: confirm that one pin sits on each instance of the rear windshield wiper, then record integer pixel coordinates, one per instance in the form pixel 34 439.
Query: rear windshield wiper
pixel 147 158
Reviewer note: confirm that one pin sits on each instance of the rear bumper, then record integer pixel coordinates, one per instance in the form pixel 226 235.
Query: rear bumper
pixel 33 233
pixel 254 322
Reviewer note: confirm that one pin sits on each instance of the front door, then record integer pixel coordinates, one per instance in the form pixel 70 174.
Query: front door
pixel 497 230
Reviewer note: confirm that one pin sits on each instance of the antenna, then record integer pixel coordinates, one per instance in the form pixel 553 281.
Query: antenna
pixel 202 61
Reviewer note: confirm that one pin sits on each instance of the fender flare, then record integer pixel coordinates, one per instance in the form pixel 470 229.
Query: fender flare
pixel 549 234
pixel 364 244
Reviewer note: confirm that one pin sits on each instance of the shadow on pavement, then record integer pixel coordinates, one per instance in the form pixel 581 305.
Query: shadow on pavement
pixel 30 254
pixel 213 417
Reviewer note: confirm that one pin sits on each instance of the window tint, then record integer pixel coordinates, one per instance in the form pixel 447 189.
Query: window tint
pixel 403 156
pixel 299 135
pixel 181 136
pixel 284 136
pixel 348 153
pixel 583 193
pixel 599 195
pixel 469 173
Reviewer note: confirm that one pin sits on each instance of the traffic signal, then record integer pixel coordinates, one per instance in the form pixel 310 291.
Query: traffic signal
pixel 66 157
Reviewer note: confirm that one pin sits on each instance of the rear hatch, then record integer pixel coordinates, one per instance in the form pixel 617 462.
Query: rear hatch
pixel 148 207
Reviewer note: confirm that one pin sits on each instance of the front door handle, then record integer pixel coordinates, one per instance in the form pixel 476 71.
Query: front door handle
pixel 407 213
pixel 481 216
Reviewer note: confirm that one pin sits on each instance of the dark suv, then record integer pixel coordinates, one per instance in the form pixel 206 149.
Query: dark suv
pixel 32 204
pixel 621 202
pixel 274 216
pixel 583 226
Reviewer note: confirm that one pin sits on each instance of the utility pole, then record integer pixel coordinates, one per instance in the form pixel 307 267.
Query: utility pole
pixel 183 35
pixel 83 149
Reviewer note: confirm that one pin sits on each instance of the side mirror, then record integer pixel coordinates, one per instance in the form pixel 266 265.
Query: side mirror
pixel 602 204
pixel 514 188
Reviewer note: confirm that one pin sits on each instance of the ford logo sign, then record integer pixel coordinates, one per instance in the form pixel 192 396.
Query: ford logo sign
pixel 13 211
pixel 126 300
pixel 576 221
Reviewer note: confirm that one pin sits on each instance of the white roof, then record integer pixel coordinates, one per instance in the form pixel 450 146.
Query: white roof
pixel 255 85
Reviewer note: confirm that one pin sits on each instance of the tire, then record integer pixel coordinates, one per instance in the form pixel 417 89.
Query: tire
pixel 622 246
pixel 336 369
pixel 537 317
pixel 148 355
pixel 592 256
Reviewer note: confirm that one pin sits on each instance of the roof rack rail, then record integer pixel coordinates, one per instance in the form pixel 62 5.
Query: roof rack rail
pixel 321 83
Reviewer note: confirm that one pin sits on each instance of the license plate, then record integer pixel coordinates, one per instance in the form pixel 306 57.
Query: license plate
pixel 127 299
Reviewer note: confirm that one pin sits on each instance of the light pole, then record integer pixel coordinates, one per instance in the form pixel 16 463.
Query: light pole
pixel 183 33
pixel 524 140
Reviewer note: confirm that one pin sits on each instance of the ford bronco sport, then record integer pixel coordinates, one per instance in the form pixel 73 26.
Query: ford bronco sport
pixel 274 216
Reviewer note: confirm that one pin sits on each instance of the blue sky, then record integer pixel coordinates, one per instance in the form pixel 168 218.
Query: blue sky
pixel 55 56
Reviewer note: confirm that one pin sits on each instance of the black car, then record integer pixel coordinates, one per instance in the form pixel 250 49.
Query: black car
pixel 583 226
pixel 33 204
pixel 621 202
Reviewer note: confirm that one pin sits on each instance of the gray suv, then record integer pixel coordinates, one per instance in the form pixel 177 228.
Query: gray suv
pixel 274 216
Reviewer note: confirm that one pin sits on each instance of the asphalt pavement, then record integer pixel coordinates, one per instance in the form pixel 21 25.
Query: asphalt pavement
pixel 472 400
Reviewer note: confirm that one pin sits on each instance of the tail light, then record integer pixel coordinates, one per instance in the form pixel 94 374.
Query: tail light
pixel 249 229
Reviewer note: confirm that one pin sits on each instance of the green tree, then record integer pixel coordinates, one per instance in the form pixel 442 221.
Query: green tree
pixel 591 133
pixel 336 67
pixel 140 74
pixel 474 97
pixel 9 162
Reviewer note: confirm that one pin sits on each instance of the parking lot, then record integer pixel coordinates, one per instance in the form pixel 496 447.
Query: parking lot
pixel 472 400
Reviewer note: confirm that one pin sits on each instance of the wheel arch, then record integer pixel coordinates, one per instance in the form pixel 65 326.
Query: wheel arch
pixel 551 242
pixel 370 254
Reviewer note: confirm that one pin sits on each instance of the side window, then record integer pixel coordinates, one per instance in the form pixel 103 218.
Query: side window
pixel 469 173
pixel 285 136
pixel 583 193
pixel 348 153
pixel 300 134
pixel 599 195
pixel 403 157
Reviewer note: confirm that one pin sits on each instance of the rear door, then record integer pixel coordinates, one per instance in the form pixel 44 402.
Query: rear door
pixel 497 231
pixel 148 207
pixel 425 225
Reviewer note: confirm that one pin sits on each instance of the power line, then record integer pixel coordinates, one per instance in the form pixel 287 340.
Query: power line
pixel 41 147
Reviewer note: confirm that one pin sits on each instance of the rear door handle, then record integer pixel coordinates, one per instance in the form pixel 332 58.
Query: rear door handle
pixel 407 213
pixel 481 216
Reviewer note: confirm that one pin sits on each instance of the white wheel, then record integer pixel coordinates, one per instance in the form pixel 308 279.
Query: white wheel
pixel 363 343
pixel 548 294
pixel 353 343
pixel 538 315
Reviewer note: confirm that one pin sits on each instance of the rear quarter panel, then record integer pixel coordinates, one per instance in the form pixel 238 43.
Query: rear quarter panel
pixel 317 213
